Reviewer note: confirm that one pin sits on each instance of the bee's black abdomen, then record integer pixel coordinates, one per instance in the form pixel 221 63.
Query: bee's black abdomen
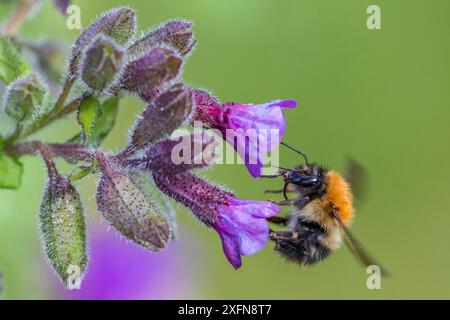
pixel 304 244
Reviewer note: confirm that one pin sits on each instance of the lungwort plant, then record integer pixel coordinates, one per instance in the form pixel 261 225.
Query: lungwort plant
pixel 108 61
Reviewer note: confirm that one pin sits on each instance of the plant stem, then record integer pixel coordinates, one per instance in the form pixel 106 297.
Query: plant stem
pixel 69 151
pixel 67 86
pixel 48 159
pixel 18 17
pixel 51 117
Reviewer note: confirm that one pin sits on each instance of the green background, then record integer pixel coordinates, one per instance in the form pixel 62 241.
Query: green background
pixel 381 96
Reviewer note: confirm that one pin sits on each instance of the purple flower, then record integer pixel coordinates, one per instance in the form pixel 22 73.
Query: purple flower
pixel 241 224
pixel 62 5
pixel 252 129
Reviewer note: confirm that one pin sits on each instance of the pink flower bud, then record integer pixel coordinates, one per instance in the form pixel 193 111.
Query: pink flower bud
pixel 178 155
pixel 149 71
pixel 162 117
pixel 174 34
pixel 102 61
pixel 119 24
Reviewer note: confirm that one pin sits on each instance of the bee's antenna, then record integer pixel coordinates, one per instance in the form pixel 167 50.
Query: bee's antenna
pixel 295 150
pixel 286 169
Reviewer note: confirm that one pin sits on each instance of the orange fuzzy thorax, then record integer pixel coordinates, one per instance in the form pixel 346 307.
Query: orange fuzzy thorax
pixel 339 194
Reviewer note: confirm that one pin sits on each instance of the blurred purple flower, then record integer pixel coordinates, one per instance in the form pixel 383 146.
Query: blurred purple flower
pixel 241 224
pixel 119 269
pixel 252 129
pixel 62 5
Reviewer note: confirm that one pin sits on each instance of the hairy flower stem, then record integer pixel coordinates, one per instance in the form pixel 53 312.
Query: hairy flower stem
pixel 48 159
pixel 67 86
pixel 18 17
pixel 70 152
pixel 125 153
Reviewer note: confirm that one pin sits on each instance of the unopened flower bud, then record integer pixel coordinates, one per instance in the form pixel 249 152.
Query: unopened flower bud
pixel 150 71
pixel 102 61
pixel 175 34
pixel 179 155
pixel 128 209
pixel 23 97
pixel 119 24
pixel 63 228
pixel 162 117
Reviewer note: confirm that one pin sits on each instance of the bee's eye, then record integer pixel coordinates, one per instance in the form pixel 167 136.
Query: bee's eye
pixel 308 181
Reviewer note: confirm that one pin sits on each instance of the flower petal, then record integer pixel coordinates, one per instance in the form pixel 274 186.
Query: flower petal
pixel 289 104
pixel 262 126
pixel 244 222
pixel 231 250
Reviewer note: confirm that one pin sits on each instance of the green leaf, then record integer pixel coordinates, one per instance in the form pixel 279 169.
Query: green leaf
pixel 106 121
pixel 83 171
pixel 87 114
pixel 10 172
pixel 103 125
pixel 12 65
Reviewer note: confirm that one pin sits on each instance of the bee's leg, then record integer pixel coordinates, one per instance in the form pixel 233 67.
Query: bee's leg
pixel 288 189
pixel 299 202
pixel 273 191
pixel 278 220
pixel 282 235
pixel 272 176
pixel 288 202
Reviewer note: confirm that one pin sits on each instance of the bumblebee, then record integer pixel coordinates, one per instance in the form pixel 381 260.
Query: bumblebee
pixel 322 212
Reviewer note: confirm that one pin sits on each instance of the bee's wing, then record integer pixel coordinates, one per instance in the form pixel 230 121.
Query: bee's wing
pixel 357 177
pixel 356 247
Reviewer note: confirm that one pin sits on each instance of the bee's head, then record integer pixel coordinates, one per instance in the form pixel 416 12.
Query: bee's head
pixel 308 178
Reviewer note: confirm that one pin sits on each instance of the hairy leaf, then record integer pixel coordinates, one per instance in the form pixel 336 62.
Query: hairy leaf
pixel 87 115
pixel 12 65
pixel 10 172
pixel 105 122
